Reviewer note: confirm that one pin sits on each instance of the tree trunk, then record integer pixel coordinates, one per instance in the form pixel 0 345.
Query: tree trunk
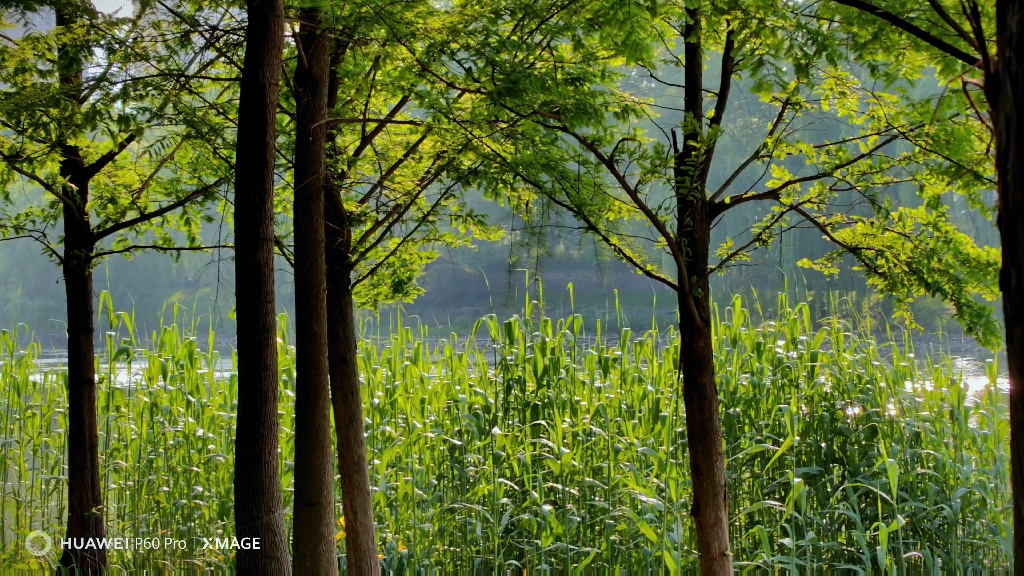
pixel 710 509
pixel 257 483
pixel 313 547
pixel 360 542
pixel 85 495
pixel 1003 89
pixel 346 397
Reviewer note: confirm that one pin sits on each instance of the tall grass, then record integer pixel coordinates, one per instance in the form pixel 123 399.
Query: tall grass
pixel 532 445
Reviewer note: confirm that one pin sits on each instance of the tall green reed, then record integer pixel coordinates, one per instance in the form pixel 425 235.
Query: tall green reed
pixel 532 445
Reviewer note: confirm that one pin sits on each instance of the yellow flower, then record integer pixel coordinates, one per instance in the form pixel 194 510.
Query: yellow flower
pixel 341 532
pixel 401 547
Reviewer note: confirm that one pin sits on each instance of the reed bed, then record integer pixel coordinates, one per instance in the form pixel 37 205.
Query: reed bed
pixel 531 446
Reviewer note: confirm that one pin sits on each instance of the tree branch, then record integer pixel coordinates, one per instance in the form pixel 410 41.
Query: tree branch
pixel 754 156
pixel 100 234
pixel 718 208
pixel 401 242
pixel 158 248
pixel 394 167
pixel 923 35
pixel 335 121
pixel 102 162
pixel 12 162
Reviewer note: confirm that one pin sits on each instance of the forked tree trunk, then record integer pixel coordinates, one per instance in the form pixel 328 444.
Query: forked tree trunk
pixel 1004 90
pixel 85 495
pixel 313 547
pixel 360 542
pixel 257 482
pixel 710 508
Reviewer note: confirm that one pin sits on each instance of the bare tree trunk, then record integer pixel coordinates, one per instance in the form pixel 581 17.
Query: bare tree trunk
pixel 85 494
pixel 710 509
pixel 1004 89
pixel 360 542
pixel 258 506
pixel 313 547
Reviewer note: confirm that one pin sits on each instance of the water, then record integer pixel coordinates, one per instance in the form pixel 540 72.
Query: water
pixel 966 358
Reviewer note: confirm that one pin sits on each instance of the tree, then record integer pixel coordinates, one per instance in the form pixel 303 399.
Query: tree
pixel 91 147
pixel 1004 96
pixel 392 198
pixel 974 49
pixel 570 131
pixel 313 546
pixel 258 506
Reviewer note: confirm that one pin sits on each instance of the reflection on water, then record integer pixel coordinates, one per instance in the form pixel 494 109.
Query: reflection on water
pixel 127 374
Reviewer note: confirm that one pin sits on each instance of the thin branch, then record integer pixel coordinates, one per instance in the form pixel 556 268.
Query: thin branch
pixel 937 7
pixel 159 248
pixel 394 167
pixel 593 228
pixel 393 216
pixel 12 163
pixel 102 162
pixel 404 239
pixel 720 207
pixel 335 121
pixel 755 155
pixel 937 43
pixel 159 166
pixel 755 239
pixel 852 250
pixel 287 254
pixel 114 228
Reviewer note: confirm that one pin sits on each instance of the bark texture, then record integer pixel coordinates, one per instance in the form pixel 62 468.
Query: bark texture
pixel 1004 87
pixel 85 494
pixel 357 504
pixel 257 483
pixel 313 548
pixel 346 396
pixel 710 510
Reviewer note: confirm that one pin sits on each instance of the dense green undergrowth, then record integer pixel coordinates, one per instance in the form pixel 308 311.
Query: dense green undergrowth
pixel 533 446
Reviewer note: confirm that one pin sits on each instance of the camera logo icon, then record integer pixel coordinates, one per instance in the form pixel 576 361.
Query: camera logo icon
pixel 38 543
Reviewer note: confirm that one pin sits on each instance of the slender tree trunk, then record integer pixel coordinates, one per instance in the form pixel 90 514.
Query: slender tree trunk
pixel 85 495
pixel 704 435
pixel 258 507
pixel 346 396
pixel 313 547
pixel 710 509
pixel 1004 88
pixel 360 542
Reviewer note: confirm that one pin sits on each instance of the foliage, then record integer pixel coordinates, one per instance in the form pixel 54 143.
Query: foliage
pixel 140 120
pixel 573 130
pixel 397 167
pixel 533 443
